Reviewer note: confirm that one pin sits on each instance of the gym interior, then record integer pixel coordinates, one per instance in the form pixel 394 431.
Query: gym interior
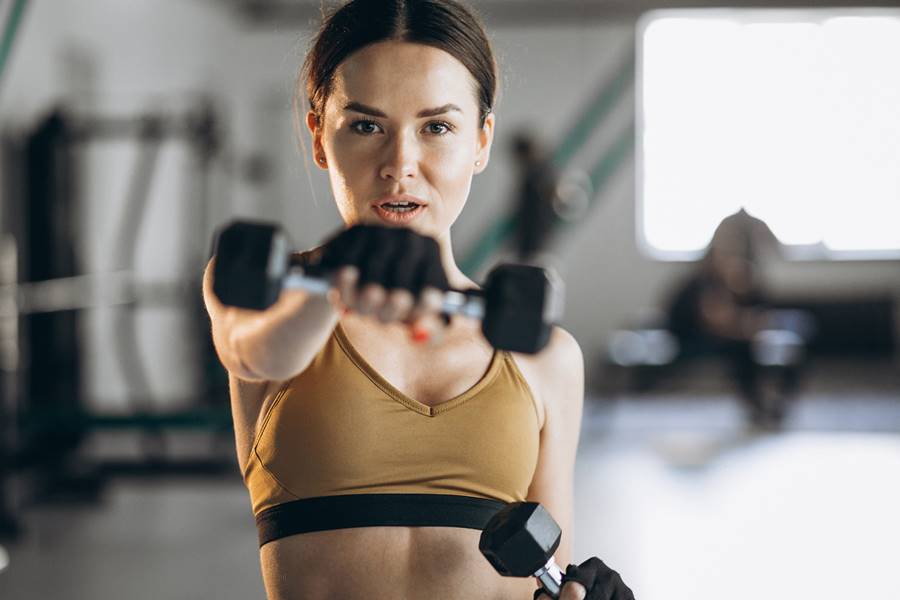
pixel 679 139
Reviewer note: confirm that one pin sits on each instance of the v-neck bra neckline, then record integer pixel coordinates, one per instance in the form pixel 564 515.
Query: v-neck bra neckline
pixel 387 387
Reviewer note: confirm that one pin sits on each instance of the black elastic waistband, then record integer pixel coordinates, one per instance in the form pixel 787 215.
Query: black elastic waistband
pixel 372 510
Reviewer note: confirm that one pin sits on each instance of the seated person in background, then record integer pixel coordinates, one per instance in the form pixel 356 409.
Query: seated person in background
pixel 722 307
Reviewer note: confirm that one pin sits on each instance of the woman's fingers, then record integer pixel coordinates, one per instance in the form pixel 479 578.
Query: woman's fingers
pixel 429 305
pixel 345 283
pixel 370 299
pixel 570 591
pixel 397 307
pixel 424 319
pixel 427 328
pixel 430 301
pixel 573 591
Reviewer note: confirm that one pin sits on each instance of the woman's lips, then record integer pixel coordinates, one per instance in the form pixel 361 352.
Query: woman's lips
pixel 399 198
pixel 398 217
pixel 394 217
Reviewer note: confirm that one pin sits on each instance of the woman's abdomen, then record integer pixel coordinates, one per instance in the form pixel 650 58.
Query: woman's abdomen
pixel 385 563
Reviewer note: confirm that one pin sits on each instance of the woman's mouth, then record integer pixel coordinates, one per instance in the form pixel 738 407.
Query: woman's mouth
pixel 398 211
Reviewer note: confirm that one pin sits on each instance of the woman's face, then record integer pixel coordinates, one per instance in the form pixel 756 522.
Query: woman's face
pixel 402 124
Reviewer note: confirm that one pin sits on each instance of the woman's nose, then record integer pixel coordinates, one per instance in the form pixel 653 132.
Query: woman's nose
pixel 401 159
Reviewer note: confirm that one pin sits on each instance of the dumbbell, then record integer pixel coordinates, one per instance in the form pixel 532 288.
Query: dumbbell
pixel 517 306
pixel 519 541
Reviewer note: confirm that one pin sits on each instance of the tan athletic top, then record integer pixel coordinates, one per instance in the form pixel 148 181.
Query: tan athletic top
pixel 339 429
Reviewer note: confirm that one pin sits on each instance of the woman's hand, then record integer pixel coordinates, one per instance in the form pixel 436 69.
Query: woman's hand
pixel 591 580
pixel 390 273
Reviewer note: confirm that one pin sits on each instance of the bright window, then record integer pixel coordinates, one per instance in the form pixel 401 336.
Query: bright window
pixel 794 115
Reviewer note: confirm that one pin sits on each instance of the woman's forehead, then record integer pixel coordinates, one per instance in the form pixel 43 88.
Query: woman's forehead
pixel 403 75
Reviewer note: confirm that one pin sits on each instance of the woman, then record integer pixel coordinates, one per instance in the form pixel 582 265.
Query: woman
pixel 369 454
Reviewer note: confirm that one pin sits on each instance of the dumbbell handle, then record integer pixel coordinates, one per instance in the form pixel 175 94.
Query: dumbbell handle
pixel 550 577
pixel 469 303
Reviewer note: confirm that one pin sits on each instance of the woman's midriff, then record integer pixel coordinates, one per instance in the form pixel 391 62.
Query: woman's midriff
pixel 385 563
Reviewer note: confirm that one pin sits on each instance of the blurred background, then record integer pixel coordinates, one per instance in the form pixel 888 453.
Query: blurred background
pixel 719 189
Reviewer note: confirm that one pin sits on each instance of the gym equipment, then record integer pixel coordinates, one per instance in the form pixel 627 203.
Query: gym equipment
pixel 43 212
pixel 519 541
pixel 67 293
pixel 518 305
pixel 80 292
pixel 43 292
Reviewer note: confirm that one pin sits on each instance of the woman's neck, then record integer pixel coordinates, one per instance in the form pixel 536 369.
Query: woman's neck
pixel 457 279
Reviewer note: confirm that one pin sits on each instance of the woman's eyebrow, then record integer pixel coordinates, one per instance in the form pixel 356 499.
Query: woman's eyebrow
pixel 428 112
pixel 366 110
pixel 433 112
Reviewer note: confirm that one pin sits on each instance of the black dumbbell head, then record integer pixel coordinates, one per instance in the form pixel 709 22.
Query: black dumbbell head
pixel 251 263
pixel 520 539
pixel 522 303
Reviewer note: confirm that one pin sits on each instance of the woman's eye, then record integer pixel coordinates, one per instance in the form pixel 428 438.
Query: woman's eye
pixel 365 127
pixel 439 128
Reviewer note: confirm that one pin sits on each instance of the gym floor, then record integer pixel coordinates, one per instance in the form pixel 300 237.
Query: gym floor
pixel 672 490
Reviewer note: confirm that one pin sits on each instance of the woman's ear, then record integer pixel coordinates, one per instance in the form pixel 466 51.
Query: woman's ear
pixel 483 145
pixel 318 150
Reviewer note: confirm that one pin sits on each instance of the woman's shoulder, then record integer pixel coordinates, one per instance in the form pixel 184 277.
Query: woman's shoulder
pixel 560 359
pixel 561 362
pixel 563 347
pixel 557 368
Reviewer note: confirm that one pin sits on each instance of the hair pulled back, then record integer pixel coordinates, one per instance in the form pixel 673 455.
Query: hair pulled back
pixel 443 24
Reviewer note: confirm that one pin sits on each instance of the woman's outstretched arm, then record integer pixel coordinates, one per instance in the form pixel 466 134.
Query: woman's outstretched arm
pixel 273 344
pixel 562 390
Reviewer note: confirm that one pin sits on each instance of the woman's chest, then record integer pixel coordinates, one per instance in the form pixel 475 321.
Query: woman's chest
pixel 435 375
pixel 430 378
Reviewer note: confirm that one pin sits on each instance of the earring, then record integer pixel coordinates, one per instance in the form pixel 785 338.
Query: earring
pixel 322 160
pixel 477 163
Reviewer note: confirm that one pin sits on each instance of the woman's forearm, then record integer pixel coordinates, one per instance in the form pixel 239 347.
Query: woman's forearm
pixel 280 342
pixel 270 345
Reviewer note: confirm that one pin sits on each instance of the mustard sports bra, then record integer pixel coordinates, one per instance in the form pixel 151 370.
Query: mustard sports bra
pixel 341 447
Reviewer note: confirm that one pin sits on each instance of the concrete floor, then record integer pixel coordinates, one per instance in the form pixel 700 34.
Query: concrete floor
pixel 671 491
pixel 701 514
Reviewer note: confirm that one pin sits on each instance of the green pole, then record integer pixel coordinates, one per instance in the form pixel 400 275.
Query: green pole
pixel 9 33
pixel 610 162
pixel 597 111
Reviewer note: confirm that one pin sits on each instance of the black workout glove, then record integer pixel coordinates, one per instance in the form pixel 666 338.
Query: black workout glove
pixel 601 582
pixel 392 257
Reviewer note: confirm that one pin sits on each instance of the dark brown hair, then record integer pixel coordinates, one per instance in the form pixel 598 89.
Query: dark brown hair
pixel 443 24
